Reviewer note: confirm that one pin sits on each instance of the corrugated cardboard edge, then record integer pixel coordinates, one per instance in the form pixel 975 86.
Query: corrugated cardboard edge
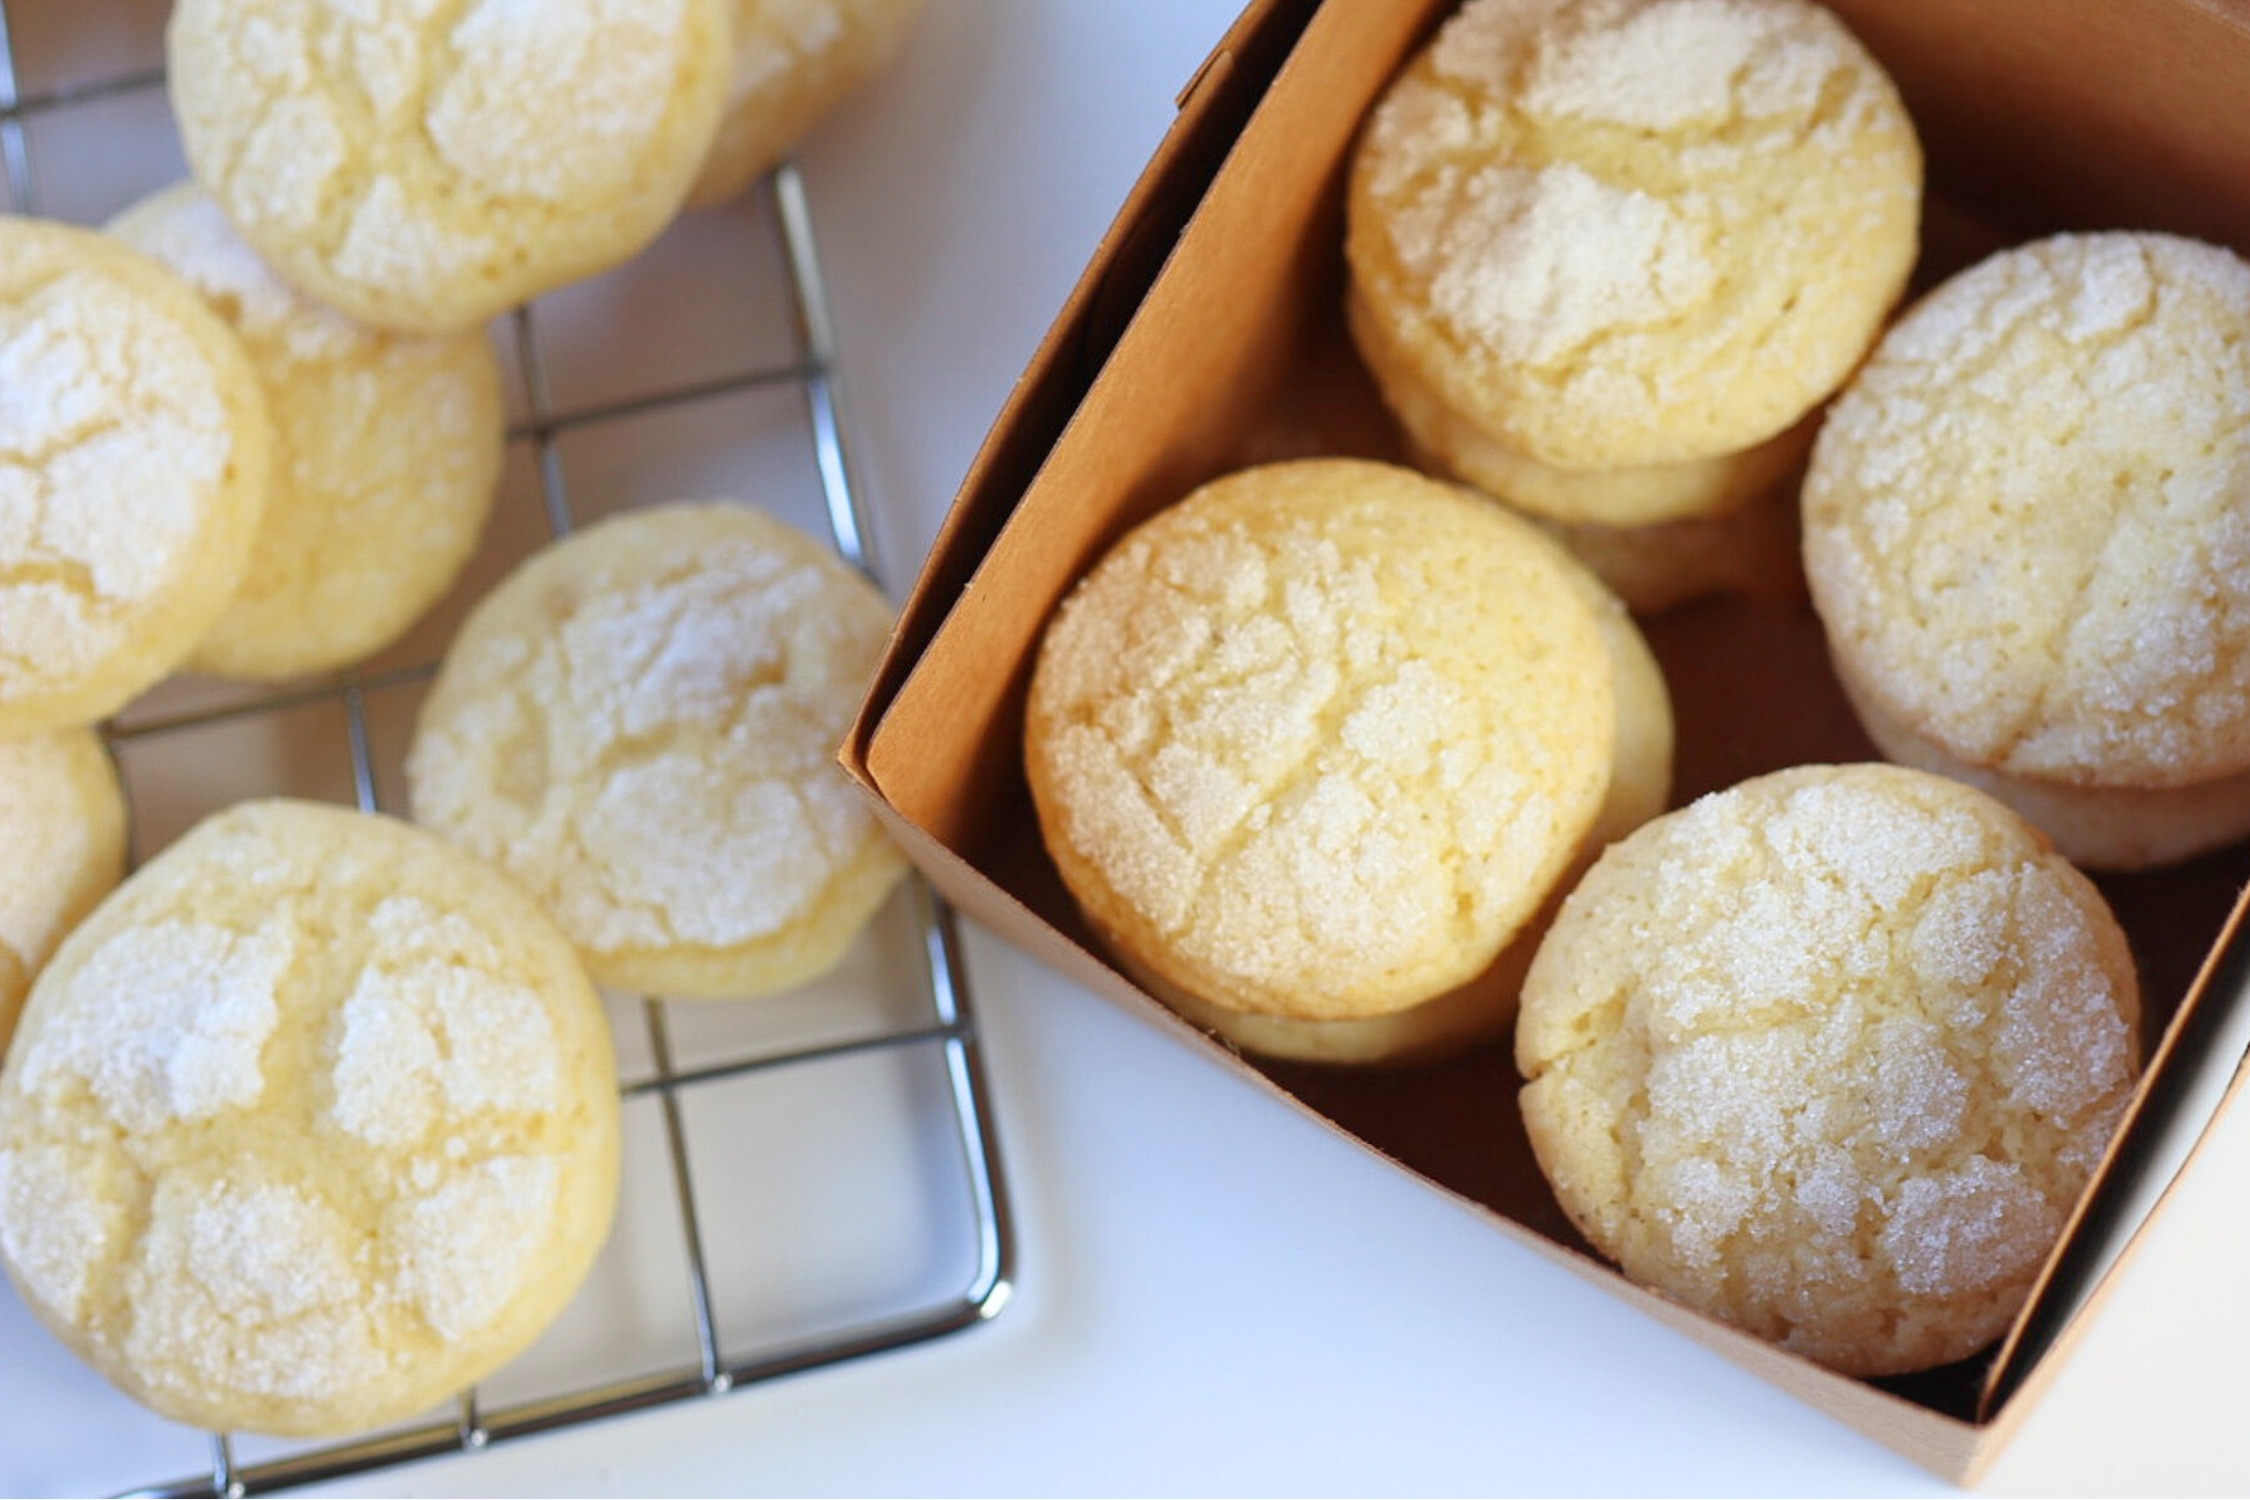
pixel 1214 105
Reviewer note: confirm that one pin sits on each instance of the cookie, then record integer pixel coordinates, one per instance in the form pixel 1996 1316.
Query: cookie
pixel 134 446
pixel 1831 1055
pixel 639 724
pixel 62 847
pixel 1752 551
pixel 386 455
pixel 1640 784
pixel 1620 235
pixel 794 61
pixel 310 1125
pixel 1315 742
pixel 422 169
pixel 2027 530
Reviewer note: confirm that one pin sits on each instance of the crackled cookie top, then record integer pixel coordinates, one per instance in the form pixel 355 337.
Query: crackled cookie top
pixel 423 164
pixel 1628 232
pixel 133 469
pixel 1831 1055
pixel 1314 741
pixel 640 724
pixel 2027 521
pixel 386 455
pixel 310 1125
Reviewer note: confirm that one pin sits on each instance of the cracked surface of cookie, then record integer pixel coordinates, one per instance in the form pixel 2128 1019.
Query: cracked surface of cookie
pixel 1617 233
pixel 2027 520
pixel 386 455
pixel 311 1124
pixel 1831 1055
pixel 134 447
pixel 1314 741
pixel 640 722
pixel 424 164
pixel 794 61
pixel 62 847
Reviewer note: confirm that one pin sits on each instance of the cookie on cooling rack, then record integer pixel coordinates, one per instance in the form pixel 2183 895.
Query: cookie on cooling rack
pixel 62 847
pixel 794 61
pixel 640 722
pixel 307 1127
pixel 2027 532
pixel 423 169
pixel 1831 1055
pixel 1313 747
pixel 386 455
pixel 134 447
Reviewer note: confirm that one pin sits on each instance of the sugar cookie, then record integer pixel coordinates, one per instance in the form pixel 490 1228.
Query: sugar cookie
pixel 1627 234
pixel 1315 742
pixel 134 448
pixel 310 1125
pixel 640 725
pixel 794 61
pixel 1831 1055
pixel 423 168
pixel 62 847
pixel 1640 783
pixel 386 455
pixel 2027 526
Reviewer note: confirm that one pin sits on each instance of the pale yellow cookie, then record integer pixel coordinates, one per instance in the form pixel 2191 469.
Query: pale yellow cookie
pixel 134 449
pixel 1316 741
pixel 2027 520
pixel 62 847
pixel 309 1126
pixel 1831 1055
pixel 423 167
pixel 794 61
pixel 386 455
pixel 1752 551
pixel 1640 783
pixel 640 723
pixel 1612 234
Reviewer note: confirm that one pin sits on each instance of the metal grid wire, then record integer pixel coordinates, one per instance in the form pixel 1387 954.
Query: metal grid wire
pixel 944 1031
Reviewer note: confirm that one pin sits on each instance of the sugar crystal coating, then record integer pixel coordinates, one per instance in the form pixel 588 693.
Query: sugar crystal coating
pixel 311 1123
pixel 1319 735
pixel 1830 1055
pixel 1627 232
pixel 2027 521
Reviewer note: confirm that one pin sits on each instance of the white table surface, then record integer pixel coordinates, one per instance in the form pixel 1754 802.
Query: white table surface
pixel 1215 1295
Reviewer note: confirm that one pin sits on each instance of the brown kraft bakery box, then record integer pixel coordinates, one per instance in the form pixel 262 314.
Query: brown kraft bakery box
pixel 1207 334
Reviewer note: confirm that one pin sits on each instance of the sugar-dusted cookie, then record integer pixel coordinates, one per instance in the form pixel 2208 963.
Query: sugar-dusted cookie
pixel 308 1126
pixel 1831 1055
pixel 386 455
pixel 62 847
pixel 640 725
pixel 2027 532
pixel 134 448
pixel 1628 235
pixel 794 61
pixel 424 167
pixel 1315 743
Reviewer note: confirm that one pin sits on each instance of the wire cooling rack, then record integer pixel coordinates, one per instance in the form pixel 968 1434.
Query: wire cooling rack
pixel 807 1180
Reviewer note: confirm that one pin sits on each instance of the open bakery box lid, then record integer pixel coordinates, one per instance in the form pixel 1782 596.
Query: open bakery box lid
pixel 1207 334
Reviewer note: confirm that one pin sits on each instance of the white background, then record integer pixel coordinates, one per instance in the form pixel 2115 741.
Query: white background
pixel 1216 1296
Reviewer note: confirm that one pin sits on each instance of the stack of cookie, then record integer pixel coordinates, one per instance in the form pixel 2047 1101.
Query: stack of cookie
pixel 1607 259
pixel 312 1122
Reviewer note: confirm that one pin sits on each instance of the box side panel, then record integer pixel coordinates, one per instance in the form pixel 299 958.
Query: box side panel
pixel 2088 114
